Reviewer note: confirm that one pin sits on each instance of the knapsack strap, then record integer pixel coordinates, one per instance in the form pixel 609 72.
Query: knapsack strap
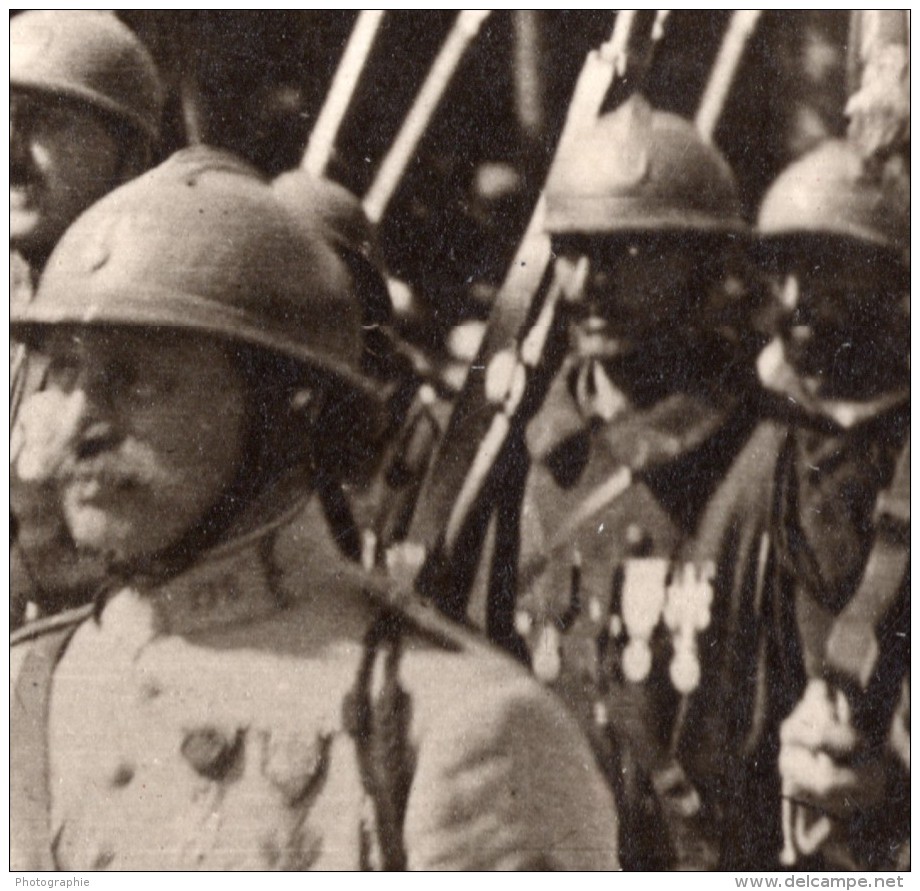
pixel 852 649
pixel 377 714
pixel 30 791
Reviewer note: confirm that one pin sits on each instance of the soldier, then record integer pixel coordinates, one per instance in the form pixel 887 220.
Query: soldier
pixel 389 470
pixel 655 396
pixel 808 691
pixel 85 102
pixel 238 697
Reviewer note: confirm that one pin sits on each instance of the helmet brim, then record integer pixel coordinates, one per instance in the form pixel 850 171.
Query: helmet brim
pixel 571 215
pixel 158 309
pixel 77 94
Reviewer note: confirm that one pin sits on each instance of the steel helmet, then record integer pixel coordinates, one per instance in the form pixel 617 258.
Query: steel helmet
pixel 831 190
pixel 201 243
pixel 89 56
pixel 342 222
pixel 637 169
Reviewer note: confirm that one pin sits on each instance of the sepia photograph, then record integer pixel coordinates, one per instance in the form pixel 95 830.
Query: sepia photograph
pixel 460 440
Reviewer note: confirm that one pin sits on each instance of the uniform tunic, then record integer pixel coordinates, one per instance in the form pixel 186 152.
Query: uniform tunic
pixel 789 532
pixel 606 511
pixel 200 723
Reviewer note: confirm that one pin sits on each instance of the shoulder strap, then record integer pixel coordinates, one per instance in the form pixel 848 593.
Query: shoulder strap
pixel 852 649
pixel 377 715
pixel 30 795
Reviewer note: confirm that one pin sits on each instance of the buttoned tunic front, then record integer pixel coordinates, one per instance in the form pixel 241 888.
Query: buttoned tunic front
pixel 611 612
pixel 200 723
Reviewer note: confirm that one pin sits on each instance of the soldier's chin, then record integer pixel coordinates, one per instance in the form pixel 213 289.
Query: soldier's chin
pixel 120 537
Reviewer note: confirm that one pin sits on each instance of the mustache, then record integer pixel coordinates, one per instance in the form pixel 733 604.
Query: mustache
pixel 131 464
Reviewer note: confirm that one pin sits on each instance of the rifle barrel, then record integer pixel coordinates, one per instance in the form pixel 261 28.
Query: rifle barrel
pixel 471 421
pixel 393 166
pixel 347 75
pixel 736 39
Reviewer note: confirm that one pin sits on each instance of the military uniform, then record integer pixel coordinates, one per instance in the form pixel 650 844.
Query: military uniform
pixel 236 697
pixel 611 612
pixel 605 514
pixel 811 523
pixel 219 730
pixel 789 533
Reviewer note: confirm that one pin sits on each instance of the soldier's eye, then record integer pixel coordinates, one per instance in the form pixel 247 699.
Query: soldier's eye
pixel 130 381
pixel 62 372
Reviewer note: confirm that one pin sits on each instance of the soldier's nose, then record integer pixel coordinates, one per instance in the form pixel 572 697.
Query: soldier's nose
pixel 88 412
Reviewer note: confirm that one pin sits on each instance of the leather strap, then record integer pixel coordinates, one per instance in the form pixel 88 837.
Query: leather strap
pixel 377 714
pixel 30 793
pixel 852 650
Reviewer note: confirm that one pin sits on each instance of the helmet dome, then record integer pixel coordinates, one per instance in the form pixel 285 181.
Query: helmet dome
pixel 201 243
pixel 831 190
pixel 637 169
pixel 89 56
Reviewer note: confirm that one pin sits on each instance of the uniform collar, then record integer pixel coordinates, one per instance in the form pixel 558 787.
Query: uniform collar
pixel 670 429
pixel 778 376
pixel 250 576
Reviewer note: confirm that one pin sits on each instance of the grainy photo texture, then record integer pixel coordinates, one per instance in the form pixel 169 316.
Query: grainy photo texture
pixel 459 440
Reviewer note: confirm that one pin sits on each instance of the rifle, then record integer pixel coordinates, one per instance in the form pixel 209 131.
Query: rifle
pixel 344 83
pixel 740 30
pixel 852 653
pixel 391 169
pixel 510 368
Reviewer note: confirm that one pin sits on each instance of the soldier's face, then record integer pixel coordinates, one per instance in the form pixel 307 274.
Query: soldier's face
pixel 62 159
pixel 642 287
pixel 645 289
pixel 155 433
pixel 845 322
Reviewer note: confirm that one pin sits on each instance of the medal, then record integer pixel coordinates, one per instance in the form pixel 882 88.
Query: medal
pixel 644 583
pixel 685 671
pixel 637 661
pixel 686 614
pixel 546 658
